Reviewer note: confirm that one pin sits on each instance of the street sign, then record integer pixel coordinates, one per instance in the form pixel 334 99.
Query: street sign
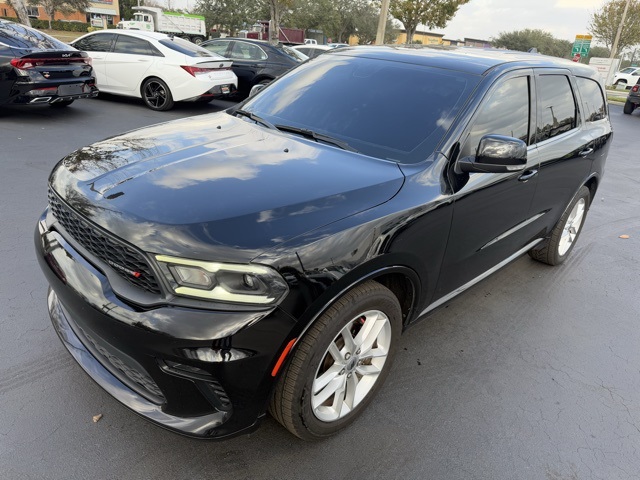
pixel 581 46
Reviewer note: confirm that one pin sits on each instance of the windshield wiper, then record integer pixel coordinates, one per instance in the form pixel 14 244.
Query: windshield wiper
pixel 255 118
pixel 318 137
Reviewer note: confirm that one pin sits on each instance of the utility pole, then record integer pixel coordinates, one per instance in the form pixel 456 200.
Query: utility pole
pixel 382 22
pixel 614 48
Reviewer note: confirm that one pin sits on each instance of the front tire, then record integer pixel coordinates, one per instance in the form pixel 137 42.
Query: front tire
pixel 629 107
pixel 339 364
pixel 156 95
pixel 555 249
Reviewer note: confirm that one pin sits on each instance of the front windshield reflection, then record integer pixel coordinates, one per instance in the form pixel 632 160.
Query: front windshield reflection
pixel 385 109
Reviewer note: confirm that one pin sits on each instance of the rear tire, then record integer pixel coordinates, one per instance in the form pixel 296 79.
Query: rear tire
pixel 629 107
pixel 156 95
pixel 197 40
pixel 339 364
pixel 555 249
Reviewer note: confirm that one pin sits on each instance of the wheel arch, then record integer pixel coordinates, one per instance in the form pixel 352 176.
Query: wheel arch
pixel 592 184
pixel 401 280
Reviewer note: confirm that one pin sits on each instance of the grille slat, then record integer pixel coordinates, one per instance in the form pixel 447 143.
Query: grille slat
pixel 124 260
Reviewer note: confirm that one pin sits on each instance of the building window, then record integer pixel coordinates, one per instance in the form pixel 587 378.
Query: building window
pixel 33 12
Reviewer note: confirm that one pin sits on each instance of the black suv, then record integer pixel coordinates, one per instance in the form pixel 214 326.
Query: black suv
pixel 206 270
pixel 38 69
pixel 255 61
pixel 633 99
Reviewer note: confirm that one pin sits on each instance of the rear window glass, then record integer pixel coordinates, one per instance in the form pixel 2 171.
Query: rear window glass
pixel 186 47
pixel 389 110
pixel 21 37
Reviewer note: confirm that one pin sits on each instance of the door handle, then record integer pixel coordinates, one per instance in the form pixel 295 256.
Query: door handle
pixel 586 153
pixel 527 175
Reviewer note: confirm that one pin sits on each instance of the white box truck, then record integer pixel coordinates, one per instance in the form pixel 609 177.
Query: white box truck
pixel 151 19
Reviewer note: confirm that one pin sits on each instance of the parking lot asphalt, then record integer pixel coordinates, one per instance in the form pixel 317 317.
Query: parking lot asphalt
pixel 532 374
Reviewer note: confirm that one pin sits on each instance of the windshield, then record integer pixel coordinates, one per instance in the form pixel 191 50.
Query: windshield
pixel 385 109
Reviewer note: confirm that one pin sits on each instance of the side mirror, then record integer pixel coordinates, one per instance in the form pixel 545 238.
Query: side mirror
pixel 496 154
pixel 256 88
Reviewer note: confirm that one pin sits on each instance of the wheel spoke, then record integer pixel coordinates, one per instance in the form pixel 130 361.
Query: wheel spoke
pixel 348 339
pixel 335 352
pixel 367 370
pixel 374 353
pixel 326 378
pixel 333 387
pixel 351 388
pixel 370 331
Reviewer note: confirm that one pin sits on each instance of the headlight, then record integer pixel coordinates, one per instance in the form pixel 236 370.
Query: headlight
pixel 224 282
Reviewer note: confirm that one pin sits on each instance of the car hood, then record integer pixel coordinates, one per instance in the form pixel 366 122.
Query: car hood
pixel 218 185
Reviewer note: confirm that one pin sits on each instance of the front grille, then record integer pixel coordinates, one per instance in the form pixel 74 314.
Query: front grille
pixel 134 374
pixel 127 262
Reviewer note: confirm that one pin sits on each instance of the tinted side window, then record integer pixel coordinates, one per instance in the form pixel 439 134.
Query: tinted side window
pixel 246 51
pixel 505 112
pixel 135 46
pixel 217 47
pixel 557 112
pixel 592 99
pixel 95 43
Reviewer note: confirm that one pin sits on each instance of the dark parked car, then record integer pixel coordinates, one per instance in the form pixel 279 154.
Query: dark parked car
pixel 207 269
pixel 633 99
pixel 36 68
pixel 255 61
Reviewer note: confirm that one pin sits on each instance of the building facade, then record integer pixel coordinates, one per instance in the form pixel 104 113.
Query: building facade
pixel 100 13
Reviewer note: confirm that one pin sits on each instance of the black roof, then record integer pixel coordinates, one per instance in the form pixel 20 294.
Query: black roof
pixel 478 61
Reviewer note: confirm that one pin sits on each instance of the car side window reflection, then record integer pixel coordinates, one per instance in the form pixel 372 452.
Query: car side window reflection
pixel 557 113
pixel 592 99
pixel 95 43
pixel 246 51
pixel 217 47
pixel 135 46
pixel 505 112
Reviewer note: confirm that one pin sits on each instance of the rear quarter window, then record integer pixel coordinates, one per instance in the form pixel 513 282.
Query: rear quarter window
pixel 592 99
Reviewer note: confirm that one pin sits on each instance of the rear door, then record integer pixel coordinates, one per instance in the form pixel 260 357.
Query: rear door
pixel 564 145
pixel 97 46
pixel 128 62
pixel 248 61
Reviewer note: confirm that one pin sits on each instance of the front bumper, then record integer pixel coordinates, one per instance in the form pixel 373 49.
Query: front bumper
pixel 198 426
pixel 144 356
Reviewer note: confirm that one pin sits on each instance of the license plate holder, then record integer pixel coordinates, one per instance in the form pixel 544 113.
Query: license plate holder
pixel 73 89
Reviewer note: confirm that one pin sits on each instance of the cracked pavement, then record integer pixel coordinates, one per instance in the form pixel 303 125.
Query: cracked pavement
pixel 532 374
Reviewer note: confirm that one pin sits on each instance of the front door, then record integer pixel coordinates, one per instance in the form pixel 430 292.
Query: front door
pixel 492 216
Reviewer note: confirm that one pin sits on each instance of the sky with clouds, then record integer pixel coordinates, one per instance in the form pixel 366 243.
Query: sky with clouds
pixel 484 19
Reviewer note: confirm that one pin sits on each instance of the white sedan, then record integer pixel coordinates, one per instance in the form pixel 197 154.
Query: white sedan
pixel 156 67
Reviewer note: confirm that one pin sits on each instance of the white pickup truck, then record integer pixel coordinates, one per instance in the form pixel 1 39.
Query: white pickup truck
pixel 151 19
